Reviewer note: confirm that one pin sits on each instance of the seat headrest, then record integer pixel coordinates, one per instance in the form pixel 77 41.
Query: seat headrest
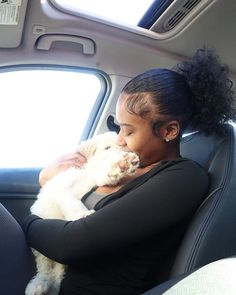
pixel 201 148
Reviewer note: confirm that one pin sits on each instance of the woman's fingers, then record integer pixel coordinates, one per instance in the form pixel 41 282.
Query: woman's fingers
pixel 79 159
pixel 70 160
pixel 64 162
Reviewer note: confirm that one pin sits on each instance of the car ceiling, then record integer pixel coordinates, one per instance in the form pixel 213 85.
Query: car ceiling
pixel 120 49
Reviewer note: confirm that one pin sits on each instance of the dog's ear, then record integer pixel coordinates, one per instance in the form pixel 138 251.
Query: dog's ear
pixel 87 148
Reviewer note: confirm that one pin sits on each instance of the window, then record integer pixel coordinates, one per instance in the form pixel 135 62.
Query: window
pixel 43 113
pixel 126 11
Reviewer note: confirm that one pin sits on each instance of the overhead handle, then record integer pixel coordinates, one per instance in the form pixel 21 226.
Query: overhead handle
pixel 45 42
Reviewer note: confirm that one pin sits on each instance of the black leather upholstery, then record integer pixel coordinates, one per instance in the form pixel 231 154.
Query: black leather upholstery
pixel 16 261
pixel 212 233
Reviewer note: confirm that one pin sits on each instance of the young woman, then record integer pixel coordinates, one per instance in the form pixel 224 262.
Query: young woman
pixel 129 243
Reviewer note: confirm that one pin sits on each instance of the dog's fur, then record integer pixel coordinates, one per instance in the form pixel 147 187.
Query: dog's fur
pixel 61 198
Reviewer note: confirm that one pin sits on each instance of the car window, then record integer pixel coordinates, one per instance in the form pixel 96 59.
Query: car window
pixel 126 11
pixel 44 112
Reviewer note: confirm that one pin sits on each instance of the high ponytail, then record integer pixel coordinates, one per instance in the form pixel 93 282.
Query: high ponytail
pixel 212 96
pixel 197 93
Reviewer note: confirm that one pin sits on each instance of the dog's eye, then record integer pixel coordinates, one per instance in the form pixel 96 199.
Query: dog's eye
pixel 107 147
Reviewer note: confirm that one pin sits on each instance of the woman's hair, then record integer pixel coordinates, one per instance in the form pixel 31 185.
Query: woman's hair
pixel 196 92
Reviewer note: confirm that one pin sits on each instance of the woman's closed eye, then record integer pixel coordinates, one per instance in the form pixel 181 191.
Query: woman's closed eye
pixel 128 133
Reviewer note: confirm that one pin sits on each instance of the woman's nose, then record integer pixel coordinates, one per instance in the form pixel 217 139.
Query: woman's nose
pixel 120 139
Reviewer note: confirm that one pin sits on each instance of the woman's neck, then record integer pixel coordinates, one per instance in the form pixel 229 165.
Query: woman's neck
pixel 139 172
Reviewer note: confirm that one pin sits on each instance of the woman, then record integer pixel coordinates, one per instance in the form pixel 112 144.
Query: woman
pixel 129 243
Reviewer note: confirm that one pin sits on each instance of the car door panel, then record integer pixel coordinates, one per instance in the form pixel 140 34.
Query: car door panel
pixel 18 190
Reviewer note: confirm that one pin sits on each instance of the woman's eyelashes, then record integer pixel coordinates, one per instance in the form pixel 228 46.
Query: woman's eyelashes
pixel 128 134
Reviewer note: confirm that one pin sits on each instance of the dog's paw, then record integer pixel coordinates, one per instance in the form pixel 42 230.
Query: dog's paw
pixel 37 287
pixel 127 165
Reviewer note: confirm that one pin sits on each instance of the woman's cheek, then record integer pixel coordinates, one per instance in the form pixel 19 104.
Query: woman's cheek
pixel 131 147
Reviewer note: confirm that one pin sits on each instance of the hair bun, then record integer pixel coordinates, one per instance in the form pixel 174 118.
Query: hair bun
pixel 212 91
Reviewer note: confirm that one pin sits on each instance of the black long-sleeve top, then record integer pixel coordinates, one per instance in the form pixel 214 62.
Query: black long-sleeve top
pixel 129 243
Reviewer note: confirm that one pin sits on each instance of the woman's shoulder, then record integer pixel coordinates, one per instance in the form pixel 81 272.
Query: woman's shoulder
pixel 190 164
pixel 181 176
pixel 180 162
pixel 183 168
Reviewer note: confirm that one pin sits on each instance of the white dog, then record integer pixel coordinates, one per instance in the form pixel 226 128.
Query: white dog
pixel 61 198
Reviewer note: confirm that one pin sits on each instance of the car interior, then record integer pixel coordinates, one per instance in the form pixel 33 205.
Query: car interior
pixel 54 36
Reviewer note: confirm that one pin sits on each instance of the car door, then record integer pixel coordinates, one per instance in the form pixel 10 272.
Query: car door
pixel 48 103
pixel 55 69
pixel 53 94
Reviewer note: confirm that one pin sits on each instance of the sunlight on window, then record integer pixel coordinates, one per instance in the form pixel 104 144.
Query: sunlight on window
pixel 43 114
pixel 126 11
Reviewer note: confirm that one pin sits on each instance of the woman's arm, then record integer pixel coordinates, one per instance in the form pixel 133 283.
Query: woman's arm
pixel 164 200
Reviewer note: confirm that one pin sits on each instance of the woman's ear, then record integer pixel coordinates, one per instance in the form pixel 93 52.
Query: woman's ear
pixel 170 131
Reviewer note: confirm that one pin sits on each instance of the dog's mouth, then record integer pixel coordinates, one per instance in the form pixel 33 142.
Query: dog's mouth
pixel 125 149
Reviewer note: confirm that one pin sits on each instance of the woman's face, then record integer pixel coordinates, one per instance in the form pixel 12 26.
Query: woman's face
pixel 136 135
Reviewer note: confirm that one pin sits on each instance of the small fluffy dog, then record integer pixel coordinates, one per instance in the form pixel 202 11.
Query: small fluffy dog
pixel 60 198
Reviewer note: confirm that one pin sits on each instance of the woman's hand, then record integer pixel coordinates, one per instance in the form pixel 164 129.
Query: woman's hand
pixel 69 160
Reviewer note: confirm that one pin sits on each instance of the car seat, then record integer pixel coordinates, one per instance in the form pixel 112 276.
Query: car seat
pixel 211 234
pixel 16 260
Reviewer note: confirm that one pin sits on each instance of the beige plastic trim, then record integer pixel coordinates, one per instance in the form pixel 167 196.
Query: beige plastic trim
pixel 138 30
pixel 45 42
pixel 159 25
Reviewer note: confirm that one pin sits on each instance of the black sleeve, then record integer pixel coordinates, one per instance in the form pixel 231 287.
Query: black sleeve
pixel 164 200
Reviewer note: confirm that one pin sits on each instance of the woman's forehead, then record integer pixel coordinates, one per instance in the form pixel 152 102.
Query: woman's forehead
pixel 142 108
pixel 126 118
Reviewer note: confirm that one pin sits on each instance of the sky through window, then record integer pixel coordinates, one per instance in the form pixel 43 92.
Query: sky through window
pixel 125 11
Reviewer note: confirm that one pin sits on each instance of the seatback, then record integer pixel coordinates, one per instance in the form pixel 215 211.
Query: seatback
pixel 212 232
pixel 16 260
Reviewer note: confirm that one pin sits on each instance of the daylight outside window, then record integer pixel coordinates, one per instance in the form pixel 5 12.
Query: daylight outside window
pixel 125 11
pixel 42 114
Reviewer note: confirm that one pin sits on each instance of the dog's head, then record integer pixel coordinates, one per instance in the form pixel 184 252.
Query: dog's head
pixel 98 143
pixel 107 162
